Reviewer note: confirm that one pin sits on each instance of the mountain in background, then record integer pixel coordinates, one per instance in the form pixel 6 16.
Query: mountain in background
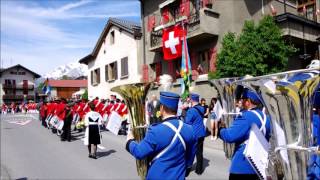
pixel 71 70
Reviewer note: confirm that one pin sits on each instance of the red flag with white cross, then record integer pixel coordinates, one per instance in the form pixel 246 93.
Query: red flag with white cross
pixel 171 42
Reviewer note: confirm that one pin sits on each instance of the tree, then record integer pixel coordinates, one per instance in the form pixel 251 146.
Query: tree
pixel 85 95
pixel 258 50
pixel 65 77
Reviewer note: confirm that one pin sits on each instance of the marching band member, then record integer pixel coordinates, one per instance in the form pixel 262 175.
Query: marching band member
pixel 194 117
pixel 123 109
pixel 99 106
pixel 110 108
pixel 92 122
pixel 4 108
pixel 171 143
pixel 314 162
pixel 239 131
pixel 66 130
pixel 43 113
pixel 104 112
pixel 13 107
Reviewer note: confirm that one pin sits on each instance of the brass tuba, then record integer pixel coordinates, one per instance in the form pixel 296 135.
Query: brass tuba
pixel 134 96
pixel 289 104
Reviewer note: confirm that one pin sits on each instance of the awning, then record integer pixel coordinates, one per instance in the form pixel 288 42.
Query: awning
pixel 166 3
pixel 80 92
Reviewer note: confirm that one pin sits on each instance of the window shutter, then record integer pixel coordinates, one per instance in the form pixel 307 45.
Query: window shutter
pixel 145 73
pixel 158 71
pixel 213 59
pixel 151 22
pixel 98 75
pixel 91 78
pixel 106 73
pixel 194 63
pixel 185 8
pixel 115 71
pixel 165 16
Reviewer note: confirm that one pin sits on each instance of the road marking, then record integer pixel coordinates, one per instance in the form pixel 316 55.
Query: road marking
pixel 22 123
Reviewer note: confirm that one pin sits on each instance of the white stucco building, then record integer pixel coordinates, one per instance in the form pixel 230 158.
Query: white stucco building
pixel 17 84
pixel 114 59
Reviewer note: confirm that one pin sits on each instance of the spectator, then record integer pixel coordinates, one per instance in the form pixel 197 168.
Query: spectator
pixel 206 111
pixel 154 107
pixel 213 119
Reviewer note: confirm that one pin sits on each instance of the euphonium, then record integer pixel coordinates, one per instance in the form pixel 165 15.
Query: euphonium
pixel 134 96
pixel 226 95
pixel 289 104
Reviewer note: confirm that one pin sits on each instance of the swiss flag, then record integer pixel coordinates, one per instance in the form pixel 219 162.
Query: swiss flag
pixel 171 42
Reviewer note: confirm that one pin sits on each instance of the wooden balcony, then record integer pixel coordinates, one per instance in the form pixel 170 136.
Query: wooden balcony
pixel 17 97
pixel 17 86
pixel 202 24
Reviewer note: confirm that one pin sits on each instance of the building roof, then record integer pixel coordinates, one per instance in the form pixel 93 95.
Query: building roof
pixel 68 83
pixel 20 66
pixel 131 27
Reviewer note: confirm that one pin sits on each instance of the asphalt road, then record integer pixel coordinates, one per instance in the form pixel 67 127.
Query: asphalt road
pixel 29 151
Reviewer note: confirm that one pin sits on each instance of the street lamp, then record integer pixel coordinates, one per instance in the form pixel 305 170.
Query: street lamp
pixel 304 56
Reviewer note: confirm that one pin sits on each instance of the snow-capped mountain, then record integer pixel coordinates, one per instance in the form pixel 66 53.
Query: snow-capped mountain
pixel 72 70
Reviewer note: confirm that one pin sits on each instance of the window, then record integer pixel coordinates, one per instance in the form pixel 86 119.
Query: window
pixel 95 76
pixel 157 69
pixel 124 67
pixel 203 62
pixel 112 37
pixel 112 71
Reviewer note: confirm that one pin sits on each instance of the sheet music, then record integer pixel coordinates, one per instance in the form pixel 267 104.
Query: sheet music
pixel 256 151
pixel 114 123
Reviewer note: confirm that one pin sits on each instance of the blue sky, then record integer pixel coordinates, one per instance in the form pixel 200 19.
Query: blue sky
pixel 43 34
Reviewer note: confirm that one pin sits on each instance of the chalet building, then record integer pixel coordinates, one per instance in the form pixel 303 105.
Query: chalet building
pixel 207 21
pixel 17 84
pixel 66 88
pixel 114 60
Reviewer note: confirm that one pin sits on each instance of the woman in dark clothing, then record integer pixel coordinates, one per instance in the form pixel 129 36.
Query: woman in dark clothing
pixel 92 121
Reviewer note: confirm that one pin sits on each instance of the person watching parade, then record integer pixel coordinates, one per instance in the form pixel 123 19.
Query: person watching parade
pixel 238 133
pixel 194 117
pixel 171 144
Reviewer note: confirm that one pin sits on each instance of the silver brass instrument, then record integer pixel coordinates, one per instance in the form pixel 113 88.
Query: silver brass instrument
pixel 134 96
pixel 226 95
pixel 289 105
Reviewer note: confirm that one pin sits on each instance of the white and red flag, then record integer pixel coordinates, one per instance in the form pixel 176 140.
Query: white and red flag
pixel 171 42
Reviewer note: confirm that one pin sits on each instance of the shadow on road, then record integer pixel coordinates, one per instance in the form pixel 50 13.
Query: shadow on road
pixel 105 153
pixel 205 163
pixel 24 178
